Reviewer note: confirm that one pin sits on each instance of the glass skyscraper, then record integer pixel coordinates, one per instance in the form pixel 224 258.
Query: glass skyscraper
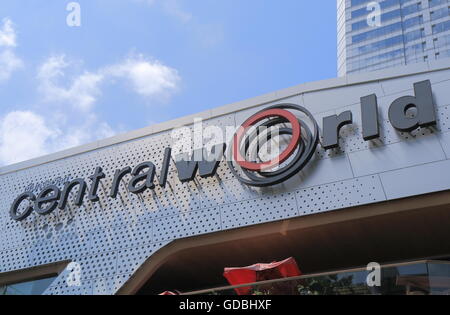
pixel 404 32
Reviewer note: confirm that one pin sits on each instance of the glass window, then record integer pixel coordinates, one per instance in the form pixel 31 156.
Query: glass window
pixel 443 54
pixel 386 43
pixel 358 2
pixel 35 287
pixel 384 5
pixel 441 27
pixel 415 49
pixel 434 3
pixel 385 17
pixel 411 22
pixel 414 35
pixel 442 41
pixel 416 7
pixel 367 62
pixel 377 32
pixel 438 14
pixel 421 278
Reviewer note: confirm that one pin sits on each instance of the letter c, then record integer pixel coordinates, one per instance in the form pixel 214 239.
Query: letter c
pixel 22 216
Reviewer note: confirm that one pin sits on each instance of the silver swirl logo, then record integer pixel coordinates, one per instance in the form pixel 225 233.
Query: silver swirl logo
pixel 286 125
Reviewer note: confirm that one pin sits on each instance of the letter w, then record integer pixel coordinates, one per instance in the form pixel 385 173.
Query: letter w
pixel 206 166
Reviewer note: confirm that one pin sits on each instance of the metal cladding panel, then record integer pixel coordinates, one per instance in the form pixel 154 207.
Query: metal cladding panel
pixel 107 241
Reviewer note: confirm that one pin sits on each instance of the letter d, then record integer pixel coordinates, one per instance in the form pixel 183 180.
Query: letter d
pixel 422 102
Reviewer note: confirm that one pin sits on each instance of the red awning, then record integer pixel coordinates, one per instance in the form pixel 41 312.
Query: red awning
pixel 261 272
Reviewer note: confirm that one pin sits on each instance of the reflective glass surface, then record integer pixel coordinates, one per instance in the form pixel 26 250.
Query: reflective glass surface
pixel 35 287
pixel 441 27
pixel 421 278
pixel 402 27
pixel 440 13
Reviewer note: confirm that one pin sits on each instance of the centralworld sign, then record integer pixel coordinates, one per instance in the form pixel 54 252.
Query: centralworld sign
pixel 294 126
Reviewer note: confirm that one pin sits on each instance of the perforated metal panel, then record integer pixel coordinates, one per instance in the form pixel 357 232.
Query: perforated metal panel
pixel 110 239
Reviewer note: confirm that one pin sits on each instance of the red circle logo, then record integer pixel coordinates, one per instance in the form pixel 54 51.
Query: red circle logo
pixel 252 121
pixel 292 120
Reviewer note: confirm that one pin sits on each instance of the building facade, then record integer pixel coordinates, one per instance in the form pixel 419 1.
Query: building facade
pixel 365 198
pixel 374 35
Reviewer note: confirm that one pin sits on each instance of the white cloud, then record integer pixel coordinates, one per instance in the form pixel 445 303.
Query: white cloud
pixel 82 91
pixel 78 134
pixel 69 121
pixel 69 95
pixel 7 34
pixel 23 135
pixel 148 78
pixel 69 101
pixel 9 62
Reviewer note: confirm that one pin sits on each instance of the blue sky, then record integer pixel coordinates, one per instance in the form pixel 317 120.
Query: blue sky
pixel 133 63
